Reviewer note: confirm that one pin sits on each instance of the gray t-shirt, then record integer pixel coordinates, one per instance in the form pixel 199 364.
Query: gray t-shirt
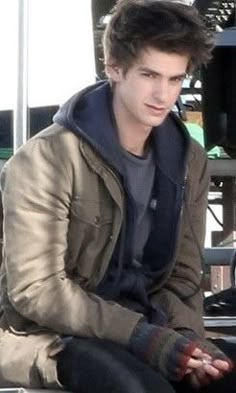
pixel 140 173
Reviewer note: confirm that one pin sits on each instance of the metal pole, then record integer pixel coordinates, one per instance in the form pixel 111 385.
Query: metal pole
pixel 20 129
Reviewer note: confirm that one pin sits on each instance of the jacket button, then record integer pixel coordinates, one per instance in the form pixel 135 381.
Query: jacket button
pixel 111 238
pixel 97 220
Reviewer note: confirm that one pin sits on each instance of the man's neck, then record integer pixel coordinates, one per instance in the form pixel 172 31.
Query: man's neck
pixel 133 145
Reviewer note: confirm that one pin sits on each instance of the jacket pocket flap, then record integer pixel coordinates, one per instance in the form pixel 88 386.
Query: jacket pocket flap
pixel 91 212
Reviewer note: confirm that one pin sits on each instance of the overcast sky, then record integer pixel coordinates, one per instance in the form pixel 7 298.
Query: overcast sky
pixel 60 54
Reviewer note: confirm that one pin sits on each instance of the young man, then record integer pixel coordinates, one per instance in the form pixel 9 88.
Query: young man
pixel 104 216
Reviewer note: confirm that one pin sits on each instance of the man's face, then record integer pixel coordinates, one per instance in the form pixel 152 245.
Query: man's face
pixel 145 94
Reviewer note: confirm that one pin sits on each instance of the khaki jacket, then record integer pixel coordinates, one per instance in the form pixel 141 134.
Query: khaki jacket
pixel 63 210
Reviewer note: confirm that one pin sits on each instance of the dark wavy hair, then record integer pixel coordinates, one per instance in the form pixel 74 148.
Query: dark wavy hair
pixel 169 26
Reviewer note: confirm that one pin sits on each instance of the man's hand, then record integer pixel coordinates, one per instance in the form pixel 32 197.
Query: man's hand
pixel 195 362
pixel 202 369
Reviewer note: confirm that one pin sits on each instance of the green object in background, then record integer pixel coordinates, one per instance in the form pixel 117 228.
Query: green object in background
pixel 196 133
pixel 5 153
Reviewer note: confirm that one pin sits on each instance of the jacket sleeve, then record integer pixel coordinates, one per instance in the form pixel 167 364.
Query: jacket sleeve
pixel 181 296
pixel 36 187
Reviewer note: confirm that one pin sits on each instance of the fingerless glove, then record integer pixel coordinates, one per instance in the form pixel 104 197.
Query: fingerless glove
pixel 164 349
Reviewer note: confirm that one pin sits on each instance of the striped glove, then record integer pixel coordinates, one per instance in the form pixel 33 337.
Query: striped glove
pixel 164 349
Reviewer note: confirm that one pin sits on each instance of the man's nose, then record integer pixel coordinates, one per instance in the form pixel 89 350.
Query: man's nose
pixel 161 91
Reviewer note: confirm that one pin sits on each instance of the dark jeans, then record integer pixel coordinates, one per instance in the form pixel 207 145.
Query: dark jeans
pixel 99 366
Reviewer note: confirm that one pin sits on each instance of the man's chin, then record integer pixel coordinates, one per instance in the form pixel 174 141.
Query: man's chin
pixel 157 122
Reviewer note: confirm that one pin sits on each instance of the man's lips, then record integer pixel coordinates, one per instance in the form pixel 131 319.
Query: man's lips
pixel 156 108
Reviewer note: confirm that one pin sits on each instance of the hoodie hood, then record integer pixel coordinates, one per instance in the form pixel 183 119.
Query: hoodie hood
pixel 89 114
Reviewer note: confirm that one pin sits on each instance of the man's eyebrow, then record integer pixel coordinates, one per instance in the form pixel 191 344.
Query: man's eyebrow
pixel 149 70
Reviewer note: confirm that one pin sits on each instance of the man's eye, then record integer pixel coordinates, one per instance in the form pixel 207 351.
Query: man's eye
pixel 147 75
pixel 178 79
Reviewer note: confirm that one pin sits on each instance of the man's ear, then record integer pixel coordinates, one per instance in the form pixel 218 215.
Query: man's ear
pixel 114 72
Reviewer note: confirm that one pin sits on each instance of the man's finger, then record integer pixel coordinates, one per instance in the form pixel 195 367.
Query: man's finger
pixel 194 382
pixel 221 365
pixel 206 357
pixel 197 353
pixel 188 371
pixel 194 363
pixel 211 370
pixel 202 376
